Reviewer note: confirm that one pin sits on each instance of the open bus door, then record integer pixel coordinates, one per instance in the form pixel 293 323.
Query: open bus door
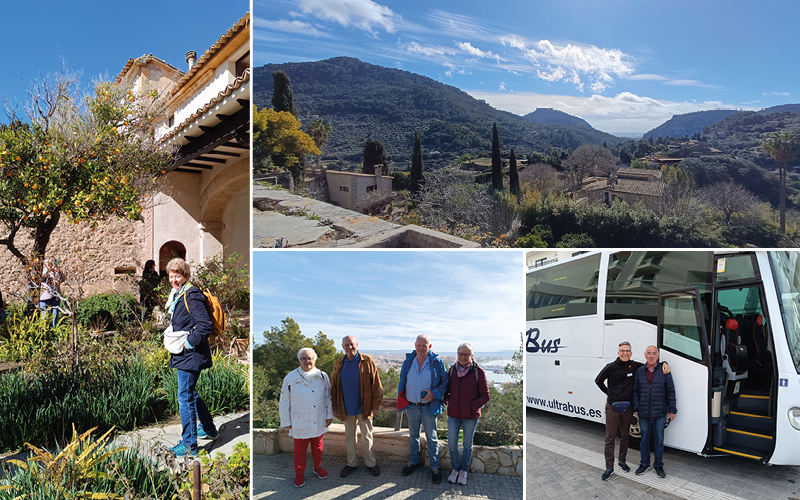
pixel 683 343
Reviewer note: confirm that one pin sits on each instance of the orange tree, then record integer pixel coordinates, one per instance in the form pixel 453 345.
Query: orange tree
pixel 86 159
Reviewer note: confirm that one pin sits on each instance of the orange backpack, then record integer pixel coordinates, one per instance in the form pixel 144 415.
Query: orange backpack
pixel 215 312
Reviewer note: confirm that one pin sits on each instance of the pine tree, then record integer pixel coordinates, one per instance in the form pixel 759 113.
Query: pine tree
pixel 417 178
pixel 497 162
pixel 282 99
pixel 513 175
pixel 373 155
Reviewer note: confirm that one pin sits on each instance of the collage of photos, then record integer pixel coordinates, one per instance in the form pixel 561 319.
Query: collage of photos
pixel 372 249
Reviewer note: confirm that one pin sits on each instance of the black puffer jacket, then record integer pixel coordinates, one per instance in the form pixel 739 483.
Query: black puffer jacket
pixel 198 324
pixel 653 400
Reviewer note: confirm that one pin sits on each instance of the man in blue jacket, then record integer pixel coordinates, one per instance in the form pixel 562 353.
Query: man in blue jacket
pixel 423 384
pixel 654 399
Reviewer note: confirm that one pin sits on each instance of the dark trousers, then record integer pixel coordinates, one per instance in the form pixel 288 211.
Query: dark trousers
pixel 617 422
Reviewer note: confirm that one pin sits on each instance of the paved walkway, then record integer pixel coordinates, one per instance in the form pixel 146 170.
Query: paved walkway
pixel 273 477
pixel 565 460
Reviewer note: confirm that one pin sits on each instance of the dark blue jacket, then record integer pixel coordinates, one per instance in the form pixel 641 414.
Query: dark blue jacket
pixel 197 322
pixel 438 381
pixel 653 400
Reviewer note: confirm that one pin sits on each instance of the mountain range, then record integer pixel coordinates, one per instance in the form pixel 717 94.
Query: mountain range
pixel 364 101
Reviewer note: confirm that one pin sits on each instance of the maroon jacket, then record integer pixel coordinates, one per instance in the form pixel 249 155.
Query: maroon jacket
pixel 465 395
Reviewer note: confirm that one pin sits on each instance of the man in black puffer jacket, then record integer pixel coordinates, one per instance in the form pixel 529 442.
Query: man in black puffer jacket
pixel 654 399
pixel 619 374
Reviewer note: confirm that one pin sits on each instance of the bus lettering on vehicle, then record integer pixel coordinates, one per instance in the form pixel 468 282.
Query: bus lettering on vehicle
pixel 549 346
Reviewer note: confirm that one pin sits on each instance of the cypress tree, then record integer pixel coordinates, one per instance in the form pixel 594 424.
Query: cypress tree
pixel 416 165
pixel 497 162
pixel 282 99
pixel 513 175
pixel 373 155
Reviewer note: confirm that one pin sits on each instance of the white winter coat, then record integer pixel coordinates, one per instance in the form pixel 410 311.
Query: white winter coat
pixel 305 406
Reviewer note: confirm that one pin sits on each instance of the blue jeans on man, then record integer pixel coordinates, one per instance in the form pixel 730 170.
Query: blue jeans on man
pixel 50 304
pixel 656 427
pixel 460 462
pixel 192 407
pixel 417 416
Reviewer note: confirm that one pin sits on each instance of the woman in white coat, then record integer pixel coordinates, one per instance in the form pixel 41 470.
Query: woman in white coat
pixel 306 409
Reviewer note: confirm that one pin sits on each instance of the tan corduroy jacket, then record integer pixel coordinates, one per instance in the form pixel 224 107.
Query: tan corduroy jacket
pixel 371 389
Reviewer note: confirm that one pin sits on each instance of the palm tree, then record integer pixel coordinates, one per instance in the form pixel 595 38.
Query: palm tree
pixel 783 147
pixel 319 130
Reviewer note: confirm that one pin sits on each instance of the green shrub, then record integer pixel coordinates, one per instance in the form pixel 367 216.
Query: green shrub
pixel 267 416
pixel 224 387
pixel 27 335
pixel 116 311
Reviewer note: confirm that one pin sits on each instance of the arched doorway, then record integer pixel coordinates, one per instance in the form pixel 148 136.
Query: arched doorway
pixel 169 251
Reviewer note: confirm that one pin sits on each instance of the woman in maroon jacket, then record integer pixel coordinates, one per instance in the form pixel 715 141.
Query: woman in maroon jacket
pixel 467 392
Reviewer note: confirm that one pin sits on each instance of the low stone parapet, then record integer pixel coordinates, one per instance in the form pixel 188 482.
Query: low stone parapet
pixel 392 445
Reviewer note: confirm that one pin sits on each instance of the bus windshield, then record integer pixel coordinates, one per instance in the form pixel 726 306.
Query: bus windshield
pixel 787 280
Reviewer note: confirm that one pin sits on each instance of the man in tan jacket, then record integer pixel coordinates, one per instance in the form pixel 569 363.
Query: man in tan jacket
pixel 356 393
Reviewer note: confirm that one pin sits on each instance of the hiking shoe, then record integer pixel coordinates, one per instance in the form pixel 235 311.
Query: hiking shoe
pixel 299 481
pixel 437 476
pixel 180 450
pixel 660 472
pixel 408 469
pixel 374 470
pixel 624 466
pixel 202 434
pixel 453 477
pixel 321 473
pixel 606 474
pixel 642 469
pixel 462 477
pixel 346 471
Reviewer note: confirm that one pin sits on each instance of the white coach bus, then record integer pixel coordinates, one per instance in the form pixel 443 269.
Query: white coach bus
pixel 728 323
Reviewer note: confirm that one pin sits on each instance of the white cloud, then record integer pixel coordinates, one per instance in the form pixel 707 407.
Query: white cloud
pixel 428 51
pixel 474 51
pixel 452 67
pixel 690 83
pixel 458 25
pixel 363 14
pixel 624 113
pixel 288 27
pixel 646 76
pixel 502 86
pixel 567 62
pixel 776 93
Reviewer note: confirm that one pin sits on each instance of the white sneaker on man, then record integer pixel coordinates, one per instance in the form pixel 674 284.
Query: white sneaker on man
pixel 453 476
pixel 462 477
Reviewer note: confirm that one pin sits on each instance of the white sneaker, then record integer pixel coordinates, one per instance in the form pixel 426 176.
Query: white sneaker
pixel 453 476
pixel 462 477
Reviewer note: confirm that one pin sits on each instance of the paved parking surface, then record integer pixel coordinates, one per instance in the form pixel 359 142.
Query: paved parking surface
pixel 273 477
pixel 565 460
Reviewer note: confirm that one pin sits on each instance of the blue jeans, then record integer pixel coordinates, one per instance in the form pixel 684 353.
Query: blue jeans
pixel 453 424
pixel 191 406
pixel 418 416
pixel 656 426
pixel 53 303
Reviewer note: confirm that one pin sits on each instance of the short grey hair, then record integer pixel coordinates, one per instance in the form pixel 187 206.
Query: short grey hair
pixel 300 353
pixel 424 336
pixel 625 342
pixel 467 345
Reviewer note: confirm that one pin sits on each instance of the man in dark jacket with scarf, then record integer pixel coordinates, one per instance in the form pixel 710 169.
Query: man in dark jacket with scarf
pixel 654 399
pixel 619 404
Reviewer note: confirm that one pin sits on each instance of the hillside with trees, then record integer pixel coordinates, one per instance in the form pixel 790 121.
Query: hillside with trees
pixel 368 102
pixel 556 117
pixel 689 124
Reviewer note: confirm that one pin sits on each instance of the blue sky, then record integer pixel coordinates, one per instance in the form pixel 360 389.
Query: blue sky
pixel 98 37
pixel 622 65
pixel 387 298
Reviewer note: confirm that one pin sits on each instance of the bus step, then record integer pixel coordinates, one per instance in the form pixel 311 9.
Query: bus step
pixel 741 451
pixel 754 439
pixel 758 421
pixel 752 401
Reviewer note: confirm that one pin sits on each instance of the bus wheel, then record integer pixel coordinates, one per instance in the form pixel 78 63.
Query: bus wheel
pixel 636 431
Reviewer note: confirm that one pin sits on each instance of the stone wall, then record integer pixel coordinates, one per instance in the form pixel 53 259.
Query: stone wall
pixel 114 246
pixel 391 445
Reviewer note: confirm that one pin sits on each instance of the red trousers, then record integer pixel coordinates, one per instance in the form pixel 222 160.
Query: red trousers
pixel 300 447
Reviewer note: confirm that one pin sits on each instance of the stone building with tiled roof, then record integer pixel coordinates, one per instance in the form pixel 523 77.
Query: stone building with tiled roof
pixel 632 185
